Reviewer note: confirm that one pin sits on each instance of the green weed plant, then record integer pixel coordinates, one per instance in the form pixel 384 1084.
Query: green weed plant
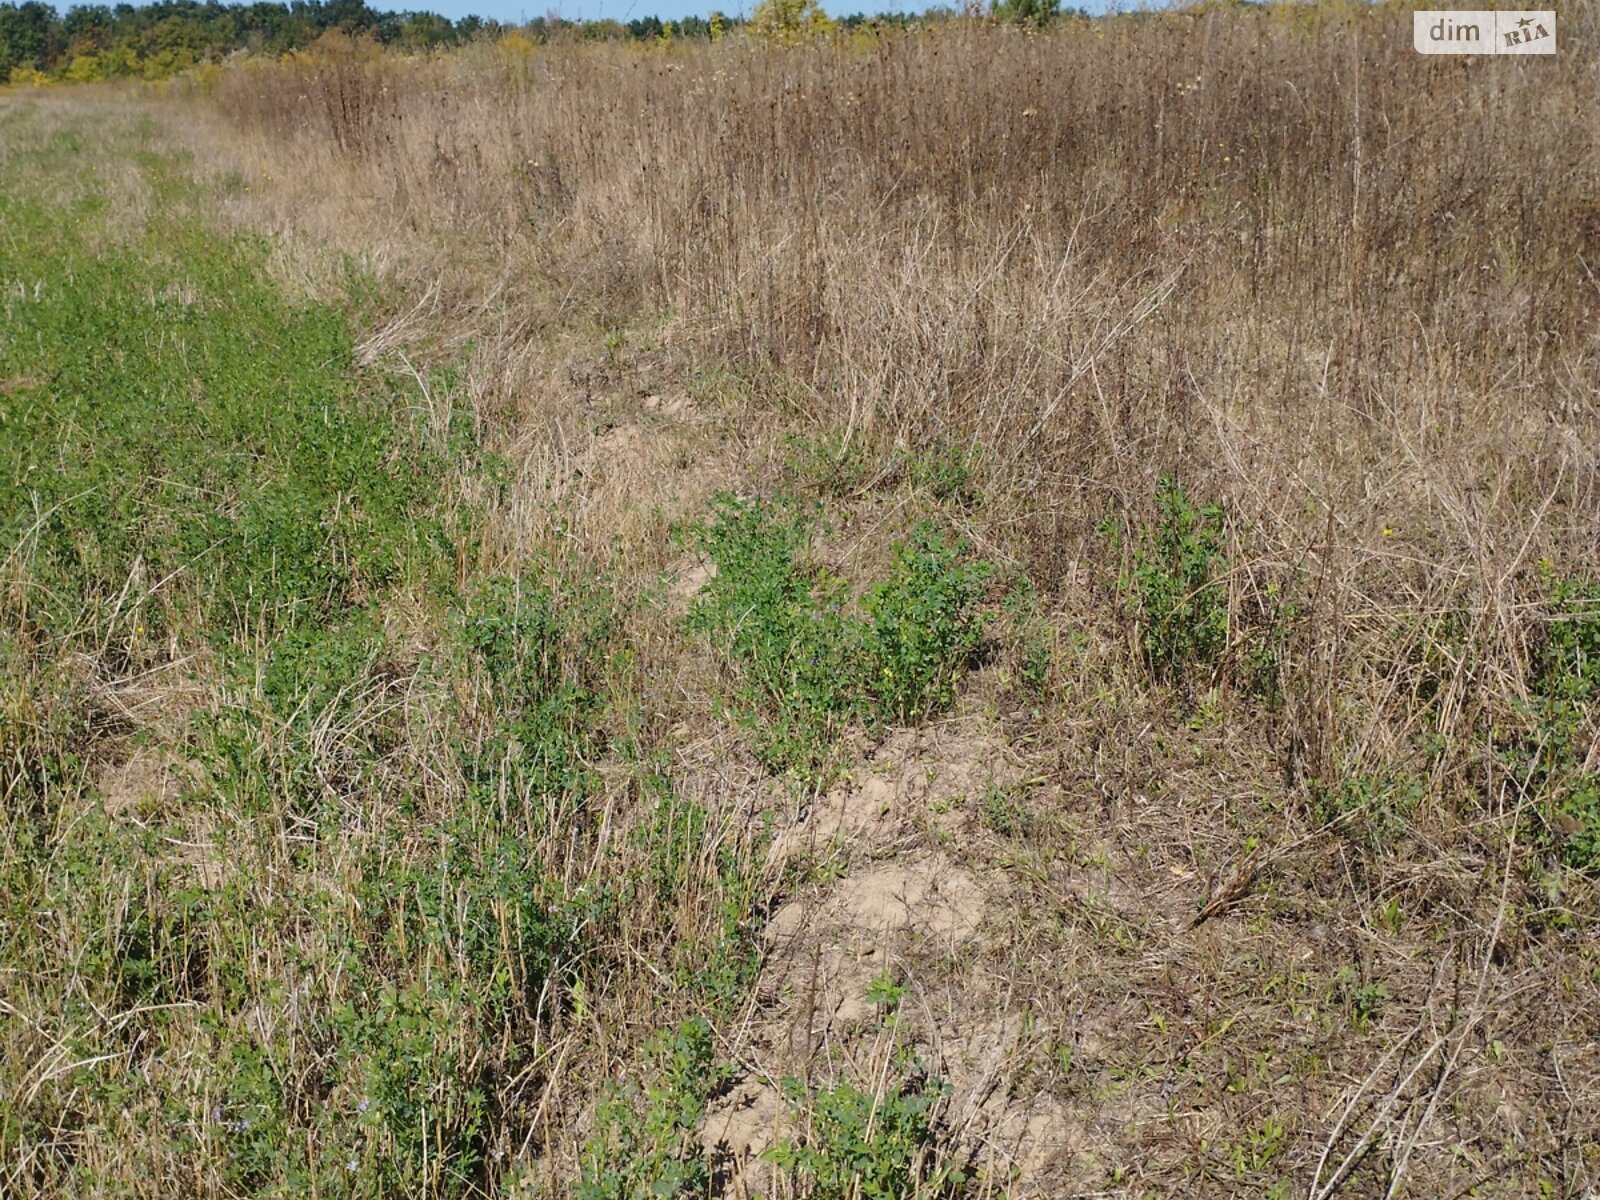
pixel 811 656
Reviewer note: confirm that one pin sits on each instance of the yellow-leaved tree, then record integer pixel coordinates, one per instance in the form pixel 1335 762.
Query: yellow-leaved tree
pixel 787 22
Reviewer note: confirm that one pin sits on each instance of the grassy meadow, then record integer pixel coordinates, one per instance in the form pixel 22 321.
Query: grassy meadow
pixel 966 611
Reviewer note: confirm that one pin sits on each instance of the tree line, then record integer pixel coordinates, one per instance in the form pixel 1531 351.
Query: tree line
pixel 156 41
pixel 160 39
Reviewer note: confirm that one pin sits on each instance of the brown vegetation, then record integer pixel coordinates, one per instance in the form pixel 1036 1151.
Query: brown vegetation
pixel 1343 290
pixel 1287 909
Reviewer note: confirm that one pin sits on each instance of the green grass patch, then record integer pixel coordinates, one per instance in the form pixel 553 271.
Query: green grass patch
pixel 1564 693
pixel 541 654
pixel 1182 601
pixel 812 654
pixel 181 447
pixel 646 1143
pixel 192 469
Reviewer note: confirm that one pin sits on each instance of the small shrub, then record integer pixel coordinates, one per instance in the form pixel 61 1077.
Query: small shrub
pixel 1371 810
pixel 825 463
pixel 645 1145
pixel 924 625
pixel 784 628
pixel 428 1103
pixel 1567 665
pixel 1579 825
pixel 871 1147
pixel 541 655
pixel 1183 606
pixel 810 664
pixel 249 1126
pixel 1549 749
pixel 1005 812
pixel 949 474
pixel 1365 999
pixel 718 959
pixel 480 907
pixel 313 669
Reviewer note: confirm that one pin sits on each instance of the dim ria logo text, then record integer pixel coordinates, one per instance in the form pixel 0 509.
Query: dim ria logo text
pixel 1458 31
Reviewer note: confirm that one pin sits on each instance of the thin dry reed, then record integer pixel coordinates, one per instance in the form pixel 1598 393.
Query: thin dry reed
pixel 1275 254
pixel 1302 921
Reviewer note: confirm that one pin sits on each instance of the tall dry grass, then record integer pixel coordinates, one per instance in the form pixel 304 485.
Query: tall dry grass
pixel 1346 289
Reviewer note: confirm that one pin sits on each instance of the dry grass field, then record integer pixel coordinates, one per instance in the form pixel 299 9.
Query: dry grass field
pixel 964 612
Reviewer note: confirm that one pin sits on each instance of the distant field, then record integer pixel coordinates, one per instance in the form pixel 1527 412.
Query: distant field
pixel 966 612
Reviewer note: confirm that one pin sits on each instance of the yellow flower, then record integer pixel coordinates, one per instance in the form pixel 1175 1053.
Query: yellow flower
pixel 1387 531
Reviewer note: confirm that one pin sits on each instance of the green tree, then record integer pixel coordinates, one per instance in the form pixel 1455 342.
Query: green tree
pixel 28 36
pixel 424 31
pixel 1026 12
